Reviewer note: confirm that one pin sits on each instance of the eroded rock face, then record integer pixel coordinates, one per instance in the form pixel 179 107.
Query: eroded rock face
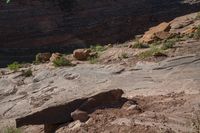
pixel 158 32
pixel 57 25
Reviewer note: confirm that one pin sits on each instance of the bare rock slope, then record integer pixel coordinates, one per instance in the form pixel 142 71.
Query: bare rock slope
pixel 52 87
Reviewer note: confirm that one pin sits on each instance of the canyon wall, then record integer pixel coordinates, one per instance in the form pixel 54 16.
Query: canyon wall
pixel 31 26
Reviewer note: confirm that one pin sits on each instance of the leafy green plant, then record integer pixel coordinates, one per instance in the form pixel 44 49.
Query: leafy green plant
pixel 12 130
pixel 139 45
pixel 61 62
pixel 27 73
pixel 15 66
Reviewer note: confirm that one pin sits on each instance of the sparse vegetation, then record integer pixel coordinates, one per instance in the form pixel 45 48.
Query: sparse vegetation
pixel 27 73
pixel 93 60
pixel 156 43
pixel 197 33
pixel 168 44
pixel 61 62
pixel 12 130
pixel 97 48
pixel 151 52
pixel 15 66
pixel 123 56
pixel 139 45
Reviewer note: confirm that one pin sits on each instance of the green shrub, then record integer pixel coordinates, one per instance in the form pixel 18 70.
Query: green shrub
pixel 168 44
pixel 149 53
pixel 139 45
pixel 97 48
pixel 27 73
pixel 197 33
pixel 93 60
pixel 61 62
pixel 12 130
pixel 15 66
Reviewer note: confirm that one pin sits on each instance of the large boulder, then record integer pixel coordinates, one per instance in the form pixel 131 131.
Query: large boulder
pixel 81 54
pixel 158 32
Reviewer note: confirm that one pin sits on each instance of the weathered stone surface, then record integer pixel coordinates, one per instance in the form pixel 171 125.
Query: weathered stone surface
pixel 42 97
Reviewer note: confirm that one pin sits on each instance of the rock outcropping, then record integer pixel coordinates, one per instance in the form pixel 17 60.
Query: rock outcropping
pixel 53 25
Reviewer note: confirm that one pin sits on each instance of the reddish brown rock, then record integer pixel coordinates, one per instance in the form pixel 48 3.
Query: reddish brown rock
pixel 158 32
pixel 81 54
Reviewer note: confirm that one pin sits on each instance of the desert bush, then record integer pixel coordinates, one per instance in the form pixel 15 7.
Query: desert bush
pixel 93 59
pixel 168 44
pixel 61 62
pixel 123 56
pixel 15 66
pixel 139 45
pixel 27 73
pixel 151 52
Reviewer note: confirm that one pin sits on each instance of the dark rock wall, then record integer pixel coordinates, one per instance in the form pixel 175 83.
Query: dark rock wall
pixel 30 26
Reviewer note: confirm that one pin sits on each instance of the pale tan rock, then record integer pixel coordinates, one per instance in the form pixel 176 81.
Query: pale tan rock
pixel 55 56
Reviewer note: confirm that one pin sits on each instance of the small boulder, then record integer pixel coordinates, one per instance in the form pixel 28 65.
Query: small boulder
pixel 80 115
pixel 55 56
pixel 81 54
pixel 43 57
pixel 158 32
